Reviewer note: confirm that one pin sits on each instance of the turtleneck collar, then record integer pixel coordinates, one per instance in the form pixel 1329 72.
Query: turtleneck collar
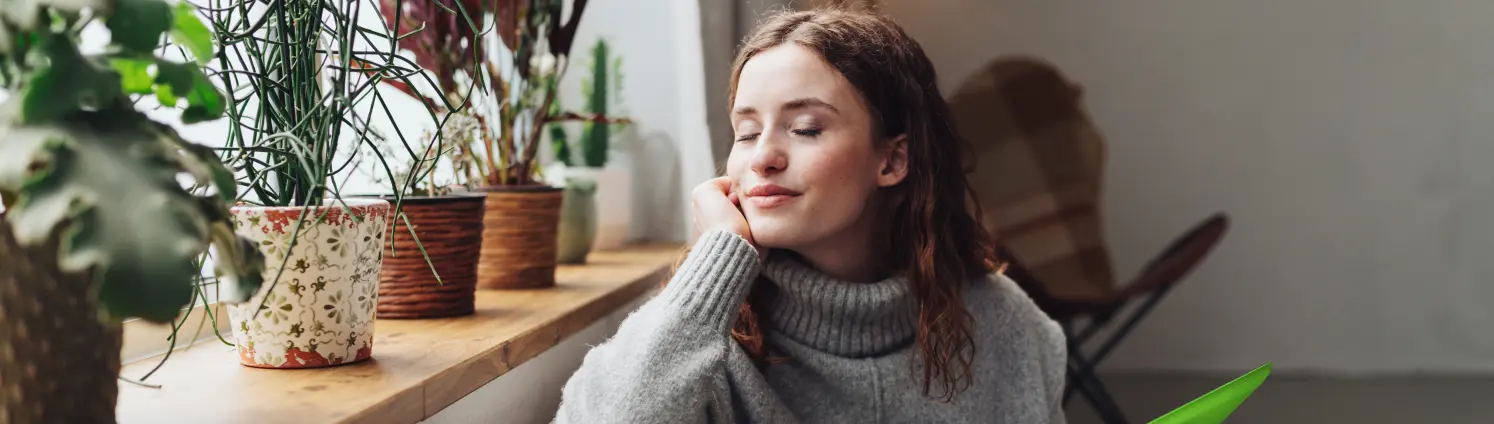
pixel 841 318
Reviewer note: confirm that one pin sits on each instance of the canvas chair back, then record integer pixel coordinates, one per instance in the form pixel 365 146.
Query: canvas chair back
pixel 1039 166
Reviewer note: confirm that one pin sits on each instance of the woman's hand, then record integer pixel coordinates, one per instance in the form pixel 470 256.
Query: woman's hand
pixel 716 207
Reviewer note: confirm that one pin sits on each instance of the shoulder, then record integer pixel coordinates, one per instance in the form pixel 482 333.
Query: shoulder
pixel 1008 324
pixel 995 300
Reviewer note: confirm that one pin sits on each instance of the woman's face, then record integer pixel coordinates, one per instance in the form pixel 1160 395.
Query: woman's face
pixel 804 162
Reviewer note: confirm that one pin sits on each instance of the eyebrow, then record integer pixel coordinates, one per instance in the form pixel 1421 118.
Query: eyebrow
pixel 799 103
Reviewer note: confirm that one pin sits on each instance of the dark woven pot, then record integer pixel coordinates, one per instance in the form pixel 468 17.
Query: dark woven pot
pixel 450 229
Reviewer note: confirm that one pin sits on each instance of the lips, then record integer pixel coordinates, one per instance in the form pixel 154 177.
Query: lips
pixel 770 190
pixel 766 196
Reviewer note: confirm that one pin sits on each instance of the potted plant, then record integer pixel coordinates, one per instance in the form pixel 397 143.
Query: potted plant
pixel 296 72
pixel 584 168
pixel 98 227
pixel 431 250
pixel 514 106
pixel 439 220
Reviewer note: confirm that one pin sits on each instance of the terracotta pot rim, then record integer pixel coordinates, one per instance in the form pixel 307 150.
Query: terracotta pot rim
pixel 351 201
pixel 527 188
pixel 465 196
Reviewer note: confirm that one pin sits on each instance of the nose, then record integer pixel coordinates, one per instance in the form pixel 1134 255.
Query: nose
pixel 768 155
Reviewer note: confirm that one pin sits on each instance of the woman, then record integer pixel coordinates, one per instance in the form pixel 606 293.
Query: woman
pixel 841 274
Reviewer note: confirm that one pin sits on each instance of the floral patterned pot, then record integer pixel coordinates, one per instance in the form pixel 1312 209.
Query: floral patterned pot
pixel 321 310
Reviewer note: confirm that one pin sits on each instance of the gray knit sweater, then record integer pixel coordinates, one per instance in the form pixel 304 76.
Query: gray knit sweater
pixel 850 345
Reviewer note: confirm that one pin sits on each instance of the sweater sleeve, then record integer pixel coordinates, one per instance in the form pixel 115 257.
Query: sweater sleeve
pixel 666 364
pixel 1057 372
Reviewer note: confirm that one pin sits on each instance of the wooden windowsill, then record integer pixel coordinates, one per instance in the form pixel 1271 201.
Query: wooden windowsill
pixel 418 367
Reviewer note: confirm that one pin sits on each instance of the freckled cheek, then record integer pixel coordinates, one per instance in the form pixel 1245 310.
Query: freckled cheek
pixel 829 169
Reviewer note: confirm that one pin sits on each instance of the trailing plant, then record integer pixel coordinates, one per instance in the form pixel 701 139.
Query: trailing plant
pixel 302 74
pixel 302 77
pixel 80 166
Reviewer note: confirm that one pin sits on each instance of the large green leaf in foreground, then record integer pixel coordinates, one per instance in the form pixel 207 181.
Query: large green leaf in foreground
pixel 107 182
pixel 1215 406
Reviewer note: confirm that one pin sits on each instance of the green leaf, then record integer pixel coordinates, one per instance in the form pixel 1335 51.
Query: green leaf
pixel 189 31
pixel 164 95
pixel 137 25
pixel 106 181
pixel 67 84
pixel 204 101
pixel 1215 406
pixel 239 264
pixel 134 75
pixel 216 172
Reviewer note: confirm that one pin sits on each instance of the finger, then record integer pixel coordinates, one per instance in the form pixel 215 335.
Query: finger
pixel 734 199
pixel 722 183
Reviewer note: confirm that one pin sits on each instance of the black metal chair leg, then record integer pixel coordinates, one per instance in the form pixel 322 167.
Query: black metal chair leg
pixel 1085 377
pixel 1094 391
pixel 1130 324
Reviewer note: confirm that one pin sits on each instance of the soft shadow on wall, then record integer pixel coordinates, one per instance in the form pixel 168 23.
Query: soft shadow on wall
pixel 657 187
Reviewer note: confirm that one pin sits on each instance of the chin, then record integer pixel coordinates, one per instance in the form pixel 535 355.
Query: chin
pixel 774 233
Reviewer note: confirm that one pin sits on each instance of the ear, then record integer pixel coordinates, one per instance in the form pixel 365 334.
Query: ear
pixel 894 162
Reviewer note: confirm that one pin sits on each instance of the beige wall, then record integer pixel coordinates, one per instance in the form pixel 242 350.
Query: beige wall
pixel 1348 139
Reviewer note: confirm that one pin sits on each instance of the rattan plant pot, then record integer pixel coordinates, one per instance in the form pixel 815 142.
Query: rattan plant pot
pixel 519 237
pixel 450 229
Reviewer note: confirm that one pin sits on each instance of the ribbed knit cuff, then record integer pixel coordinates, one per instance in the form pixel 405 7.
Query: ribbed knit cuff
pixel 711 284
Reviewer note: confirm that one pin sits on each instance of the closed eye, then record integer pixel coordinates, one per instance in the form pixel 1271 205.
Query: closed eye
pixel 747 137
pixel 809 132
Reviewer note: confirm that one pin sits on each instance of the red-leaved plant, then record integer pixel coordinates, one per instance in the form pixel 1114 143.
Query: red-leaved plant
pixel 446 37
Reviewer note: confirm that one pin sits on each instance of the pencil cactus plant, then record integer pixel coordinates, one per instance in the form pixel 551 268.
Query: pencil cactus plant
pixel 107 211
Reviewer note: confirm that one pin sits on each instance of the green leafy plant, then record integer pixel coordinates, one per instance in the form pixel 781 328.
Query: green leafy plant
pixel 108 214
pixel 78 160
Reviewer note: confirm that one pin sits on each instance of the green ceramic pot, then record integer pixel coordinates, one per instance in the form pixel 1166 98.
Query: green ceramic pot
pixel 578 217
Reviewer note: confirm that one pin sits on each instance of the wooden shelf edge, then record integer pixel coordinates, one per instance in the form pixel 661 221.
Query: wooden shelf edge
pixel 419 367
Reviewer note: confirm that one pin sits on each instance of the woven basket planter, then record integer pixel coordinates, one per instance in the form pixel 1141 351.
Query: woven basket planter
pixel 450 229
pixel 519 237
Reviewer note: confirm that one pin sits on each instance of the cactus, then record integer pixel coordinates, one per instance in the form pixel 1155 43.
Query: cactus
pixel 596 138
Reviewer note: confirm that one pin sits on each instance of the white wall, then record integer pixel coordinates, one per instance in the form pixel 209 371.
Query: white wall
pixel 1344 137
pixel 669 150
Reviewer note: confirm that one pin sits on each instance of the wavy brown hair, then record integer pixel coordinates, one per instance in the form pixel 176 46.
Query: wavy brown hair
pixel 936 239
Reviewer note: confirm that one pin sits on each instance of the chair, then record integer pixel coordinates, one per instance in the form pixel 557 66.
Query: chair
pixel 1146 290
pixel 1039 179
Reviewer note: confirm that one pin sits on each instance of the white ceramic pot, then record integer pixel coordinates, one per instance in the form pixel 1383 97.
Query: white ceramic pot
pixel 321 310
